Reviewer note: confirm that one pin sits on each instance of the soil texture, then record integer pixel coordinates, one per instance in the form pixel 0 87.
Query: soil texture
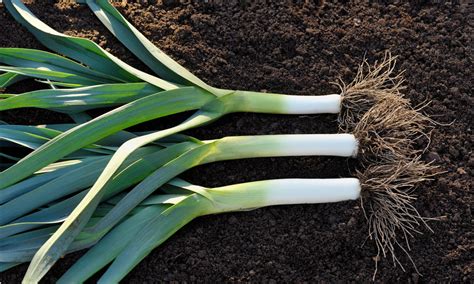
pixel 297 47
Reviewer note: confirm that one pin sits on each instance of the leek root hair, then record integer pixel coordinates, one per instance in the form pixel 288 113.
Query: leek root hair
pixel 371 85
pixel 388 132
pixel 388 129
pixel 387 201
pixel 391 168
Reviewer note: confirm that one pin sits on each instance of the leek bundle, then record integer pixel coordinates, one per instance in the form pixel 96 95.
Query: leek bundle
pixel 398 174
pixel 88 182
pixel 198 201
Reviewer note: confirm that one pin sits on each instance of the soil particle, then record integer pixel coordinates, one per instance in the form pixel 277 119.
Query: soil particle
pixel 297 48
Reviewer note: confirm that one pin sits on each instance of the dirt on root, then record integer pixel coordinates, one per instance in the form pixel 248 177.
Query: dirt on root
pixel 297 48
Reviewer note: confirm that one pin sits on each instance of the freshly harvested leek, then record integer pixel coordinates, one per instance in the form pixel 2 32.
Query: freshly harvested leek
pixel 132 240
pixel 179 202
pixel 178 194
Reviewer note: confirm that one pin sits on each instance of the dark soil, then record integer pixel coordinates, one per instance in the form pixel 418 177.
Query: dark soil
pixel 299 49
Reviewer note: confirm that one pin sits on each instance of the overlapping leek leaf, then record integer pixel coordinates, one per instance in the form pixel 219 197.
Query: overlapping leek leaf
pixel 109 247
pixel 7 79
pixel 80 49
pixel 141 110
pixel 64 185
pixel 34 181
pixel 55 170
pixel 76 100
pixel 135 169
pixel 21 247
pixel 23 251
pixel 38 59
pixel 52 214
pixel 158 229
pixel 152 56
pixel 33 137
pixel 71 79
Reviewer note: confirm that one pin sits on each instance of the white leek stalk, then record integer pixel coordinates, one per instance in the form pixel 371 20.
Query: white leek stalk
pixel 240 147
pixel 283 192
pixel 246 101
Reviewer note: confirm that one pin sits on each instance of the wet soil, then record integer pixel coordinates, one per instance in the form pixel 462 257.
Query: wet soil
pixel 298 48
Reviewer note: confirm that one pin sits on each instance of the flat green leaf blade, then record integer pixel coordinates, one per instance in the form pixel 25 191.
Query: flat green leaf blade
pixel 80 99
pixel 110 246
pixel 152 56
pixel 133 172
pixel 25 136
pixel 52 250
pixel 147 108
pixel 25 250
pixel 80 49
pixel 70 78
pixel 66 184
pixel 113 140
pixel 13 249
pixel 32 58
pixel 35 181
pixel 19 238
pixel 4 266
pixel 153 181
pixel 154 233
pixel 80 178
pixel 54 214
pixel 33 137
pixel 8 79
pixel 32 243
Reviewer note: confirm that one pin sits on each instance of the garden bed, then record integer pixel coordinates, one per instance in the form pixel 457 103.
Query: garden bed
pixel 297 49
